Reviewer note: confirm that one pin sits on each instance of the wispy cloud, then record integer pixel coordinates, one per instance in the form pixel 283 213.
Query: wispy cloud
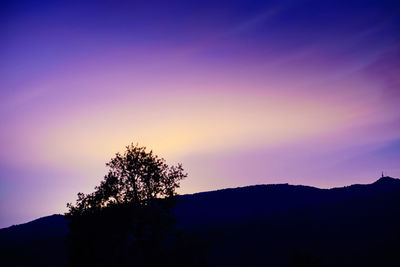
pixel 258 20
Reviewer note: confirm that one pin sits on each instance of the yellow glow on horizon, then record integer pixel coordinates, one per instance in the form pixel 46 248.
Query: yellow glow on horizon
pixel 186 125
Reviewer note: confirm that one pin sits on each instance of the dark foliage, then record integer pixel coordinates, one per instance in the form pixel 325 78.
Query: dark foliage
pixel 126 221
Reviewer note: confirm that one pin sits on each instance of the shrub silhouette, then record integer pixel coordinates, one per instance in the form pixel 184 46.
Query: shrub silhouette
pixel 126 221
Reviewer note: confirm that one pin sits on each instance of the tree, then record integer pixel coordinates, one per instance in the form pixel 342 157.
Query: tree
pixel 128 215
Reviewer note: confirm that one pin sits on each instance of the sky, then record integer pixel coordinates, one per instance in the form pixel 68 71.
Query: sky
pixel 239 92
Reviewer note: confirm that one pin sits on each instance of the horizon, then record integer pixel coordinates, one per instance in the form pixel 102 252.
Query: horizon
pixel 239 92
pixel 221 189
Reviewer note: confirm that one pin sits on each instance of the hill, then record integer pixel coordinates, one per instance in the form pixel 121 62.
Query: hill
pixel 276 225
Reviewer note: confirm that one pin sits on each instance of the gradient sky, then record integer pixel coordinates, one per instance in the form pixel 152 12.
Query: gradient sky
pixel 240 92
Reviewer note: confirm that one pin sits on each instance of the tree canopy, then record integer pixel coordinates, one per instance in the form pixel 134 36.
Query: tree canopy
pixel 135 177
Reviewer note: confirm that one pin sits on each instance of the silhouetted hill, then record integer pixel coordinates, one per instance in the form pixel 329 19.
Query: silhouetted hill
pixel 275 225
pixel 360 228
pixel 253 201
pixel 45 227
pixel 37 243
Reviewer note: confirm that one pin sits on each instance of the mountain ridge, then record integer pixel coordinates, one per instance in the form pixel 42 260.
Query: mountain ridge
pixel 236 226
pixel 385 181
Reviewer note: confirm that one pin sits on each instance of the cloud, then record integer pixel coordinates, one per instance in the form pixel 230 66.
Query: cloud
pixel 255 21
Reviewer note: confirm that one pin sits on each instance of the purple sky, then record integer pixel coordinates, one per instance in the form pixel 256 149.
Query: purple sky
pixel 240 92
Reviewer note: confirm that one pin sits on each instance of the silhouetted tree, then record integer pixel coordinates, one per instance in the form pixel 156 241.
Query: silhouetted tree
pixel 126 220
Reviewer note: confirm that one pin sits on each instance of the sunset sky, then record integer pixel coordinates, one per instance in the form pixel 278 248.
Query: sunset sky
pixel 239 92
